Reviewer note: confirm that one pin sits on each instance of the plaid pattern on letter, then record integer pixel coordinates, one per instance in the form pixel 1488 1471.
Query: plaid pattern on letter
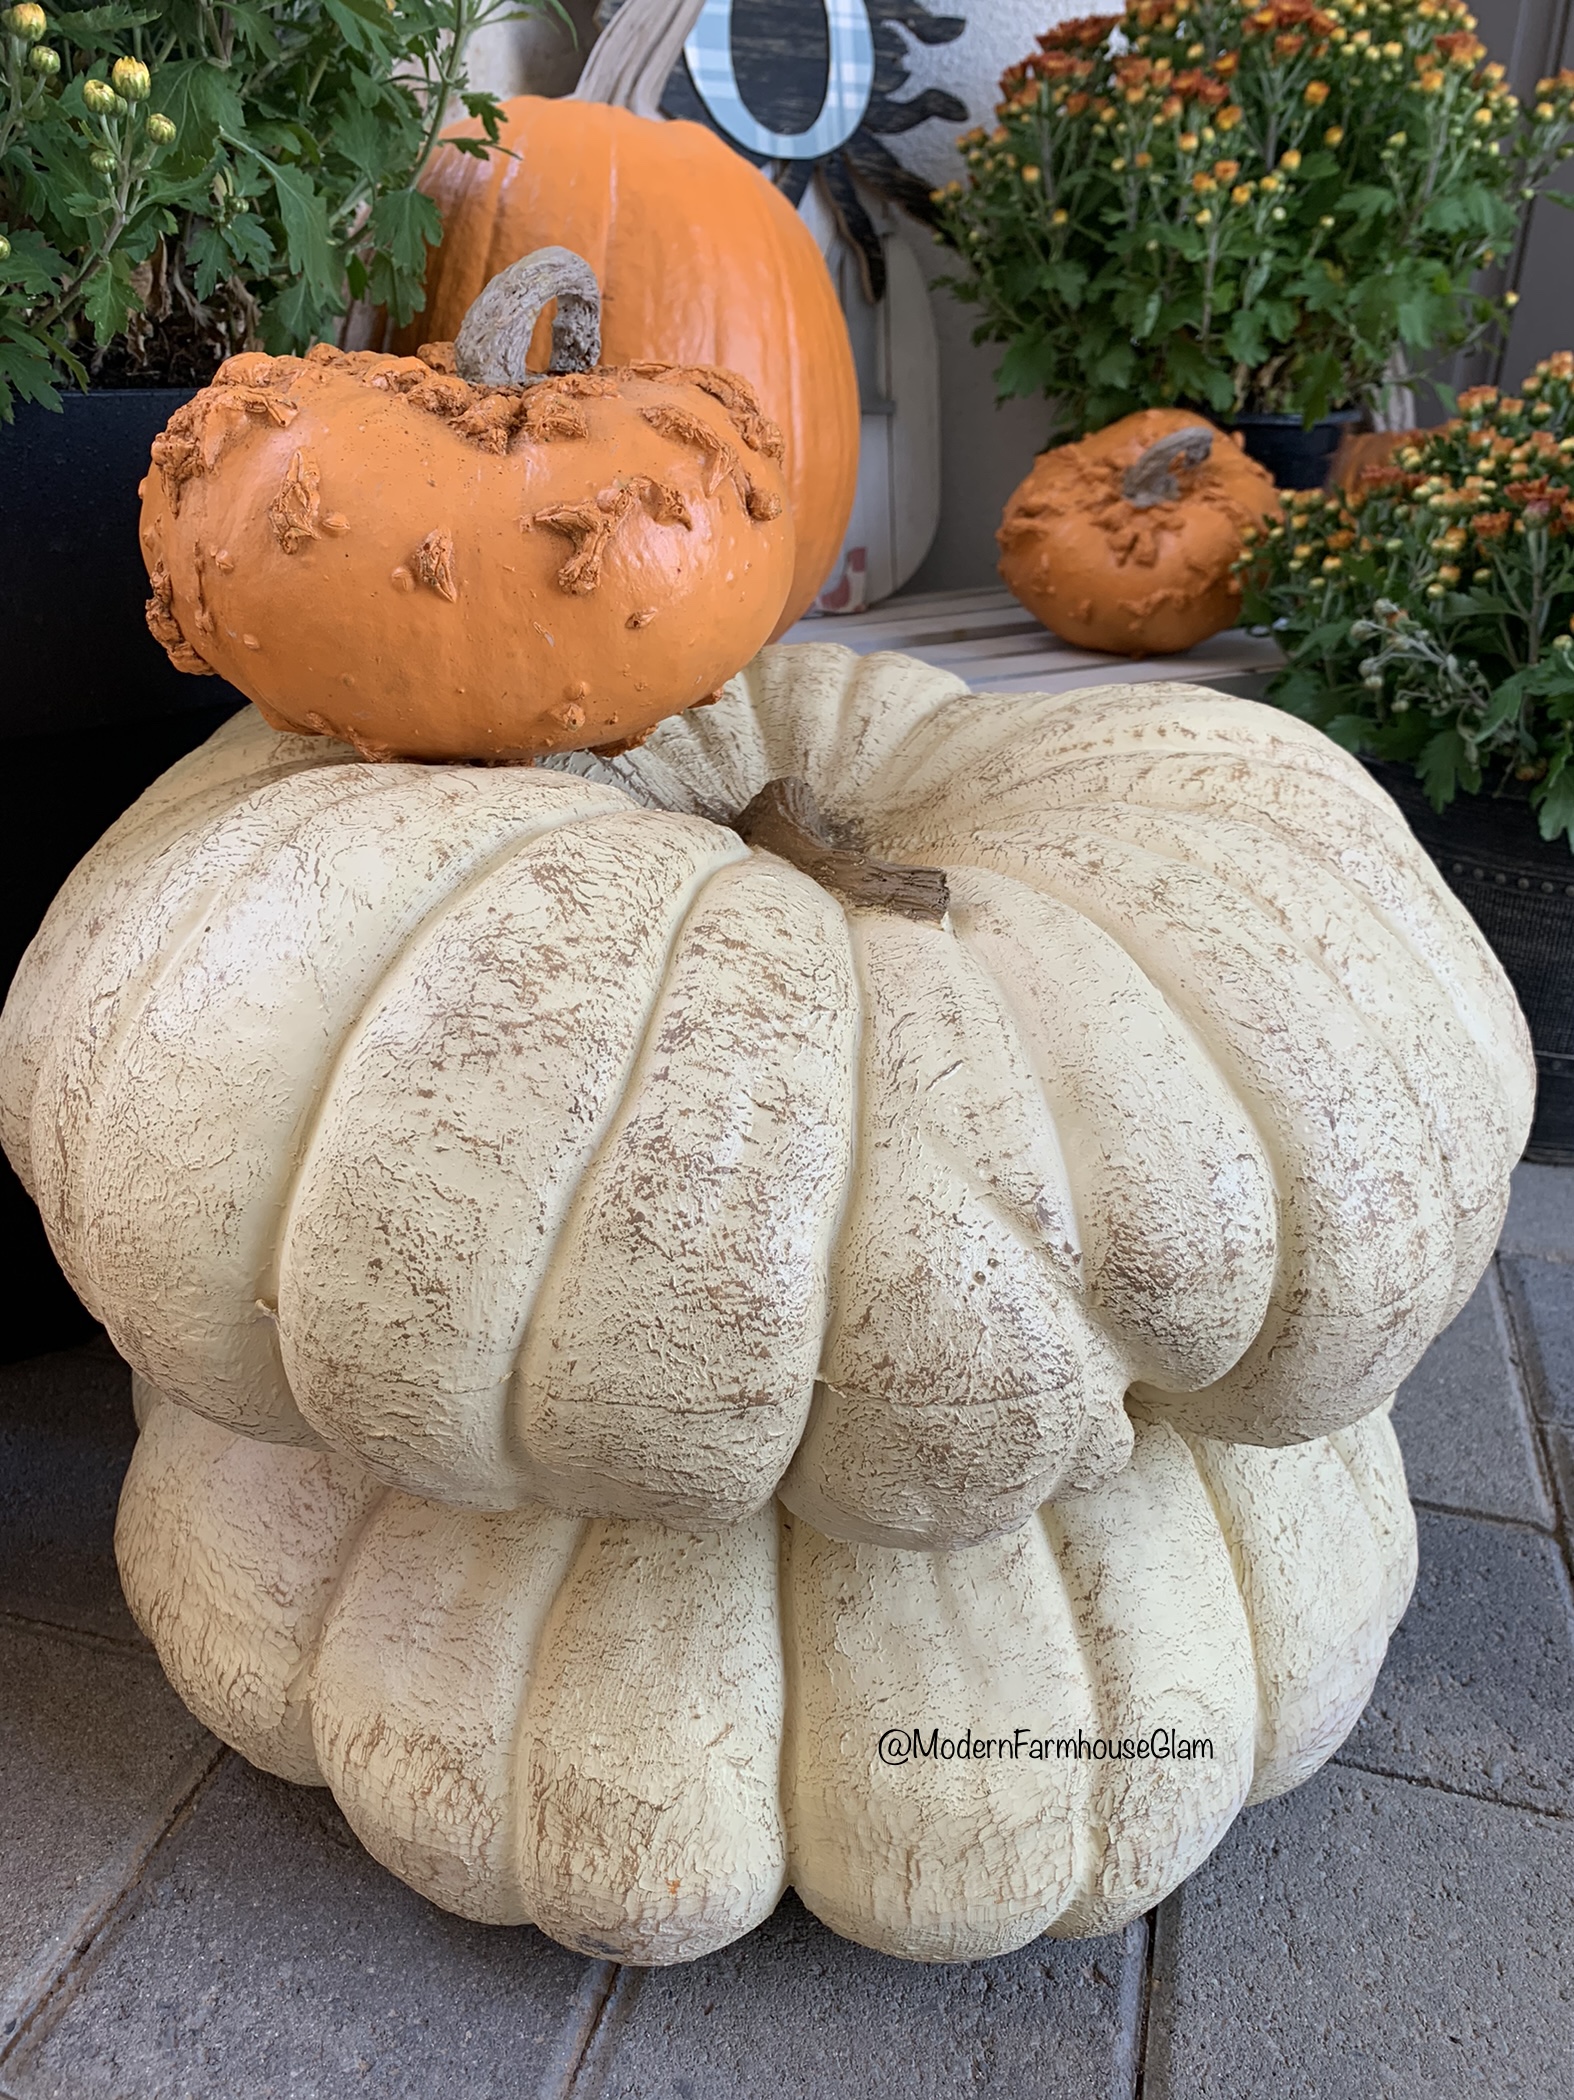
pixel 849 79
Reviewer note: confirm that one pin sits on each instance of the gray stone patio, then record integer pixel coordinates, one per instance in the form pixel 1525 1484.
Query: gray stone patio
pixel 174 1924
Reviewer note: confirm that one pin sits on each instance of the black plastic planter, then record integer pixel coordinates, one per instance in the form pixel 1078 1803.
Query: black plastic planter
pixel 1297 458
pixel 1520 892
pixel 77 650
pixel 91 711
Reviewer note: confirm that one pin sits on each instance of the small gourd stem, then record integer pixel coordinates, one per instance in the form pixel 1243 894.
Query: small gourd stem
pixel 785 819
pixel 494 336
pixel 1151 479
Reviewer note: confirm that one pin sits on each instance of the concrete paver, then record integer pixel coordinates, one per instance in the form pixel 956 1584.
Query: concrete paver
pixel 1463 1423
pixel 1541 1305
pixel 1477 1693
pixel 796 2013
pixel 66 1432
pixel 96 1753
pixel 1540 1213
pixel 1366 1937
pixel 265 1953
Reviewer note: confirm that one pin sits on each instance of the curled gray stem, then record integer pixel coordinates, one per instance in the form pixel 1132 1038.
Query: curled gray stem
pixel 494 336
pixel 1151 479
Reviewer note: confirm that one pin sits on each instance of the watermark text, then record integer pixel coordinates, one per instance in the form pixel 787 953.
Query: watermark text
pixel 904 1746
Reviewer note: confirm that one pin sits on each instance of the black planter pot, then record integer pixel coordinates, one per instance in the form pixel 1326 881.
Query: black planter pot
pixel 1520 892
pixel 78 652
pixel 1297 458
pixel 91 711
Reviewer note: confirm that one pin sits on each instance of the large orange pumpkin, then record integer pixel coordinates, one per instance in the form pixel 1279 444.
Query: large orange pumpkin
pixel 701 261
pixel 430 558
pixel 1125 541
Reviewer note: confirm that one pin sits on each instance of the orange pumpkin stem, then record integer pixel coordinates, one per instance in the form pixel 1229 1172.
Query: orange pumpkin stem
pixel 1150 479
pixel 785 819
pixel 494 337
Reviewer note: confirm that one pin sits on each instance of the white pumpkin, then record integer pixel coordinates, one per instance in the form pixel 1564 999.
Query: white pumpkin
pixel 636 1736
pixel 524 1133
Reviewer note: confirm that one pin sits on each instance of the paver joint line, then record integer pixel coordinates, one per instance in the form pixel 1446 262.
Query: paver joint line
pixel 1136 1976
pixel 1343 1763
pixel 603 1984
pixel 81 1636
pixel 46 1998
pixel 1526 1361
pixel 1153 2065
pixel 1486 1516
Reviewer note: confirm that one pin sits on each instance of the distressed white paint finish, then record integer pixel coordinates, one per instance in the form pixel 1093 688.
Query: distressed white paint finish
pixel 525 1135
pixel 636 1735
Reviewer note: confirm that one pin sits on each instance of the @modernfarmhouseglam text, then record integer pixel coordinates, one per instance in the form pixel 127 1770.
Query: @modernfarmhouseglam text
pixel 901 1746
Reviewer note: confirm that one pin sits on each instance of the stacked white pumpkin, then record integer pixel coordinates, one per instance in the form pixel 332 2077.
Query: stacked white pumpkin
pixel 626 1331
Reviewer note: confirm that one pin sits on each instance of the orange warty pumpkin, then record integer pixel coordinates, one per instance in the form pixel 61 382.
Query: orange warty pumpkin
pixel 1363 449
pixel 446 557
pixel 700 260
pixel 1124 541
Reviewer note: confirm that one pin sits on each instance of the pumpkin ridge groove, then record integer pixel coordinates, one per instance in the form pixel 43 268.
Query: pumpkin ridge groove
pixel 1224 1052
pixel 42 981
pixel 1090 1836
pixel 1154 764
pixel 1269 910
pixel 1212 1044
pixel 134 995
pixel 305 1672
pixel 1235 1551
pixel 1349 984
pixel 516 1745
pixel 686 906
pixel 486 865
pixel 1043 885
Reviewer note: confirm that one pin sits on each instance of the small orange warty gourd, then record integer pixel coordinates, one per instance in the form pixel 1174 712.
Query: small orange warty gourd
pixel 445 556
pixel 1125 540
pixel 1360 450
pixel 701 261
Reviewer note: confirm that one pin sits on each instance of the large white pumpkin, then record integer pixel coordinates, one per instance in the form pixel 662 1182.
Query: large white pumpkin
pixel 636 1736
pixel 527 1135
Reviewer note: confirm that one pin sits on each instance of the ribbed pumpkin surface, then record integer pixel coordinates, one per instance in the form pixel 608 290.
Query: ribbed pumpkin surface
pixel 527 1134
pixel 636 1736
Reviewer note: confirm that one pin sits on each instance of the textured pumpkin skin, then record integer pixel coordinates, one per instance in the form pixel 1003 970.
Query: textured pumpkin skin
pixel 523 1133
pixel 1363 449
pixel 372 549
pixel 637 1736
pixel 1102 573
pixel 700 261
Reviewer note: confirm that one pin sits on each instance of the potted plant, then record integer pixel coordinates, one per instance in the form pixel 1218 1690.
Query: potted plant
pixel 176 184
pixel 1427 618
pixel 1271 214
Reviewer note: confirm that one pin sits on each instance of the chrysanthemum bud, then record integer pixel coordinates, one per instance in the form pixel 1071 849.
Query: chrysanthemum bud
pixel 42 60
pixel 27 21
pixel 131 79
pixel 161 130
pixel 99 97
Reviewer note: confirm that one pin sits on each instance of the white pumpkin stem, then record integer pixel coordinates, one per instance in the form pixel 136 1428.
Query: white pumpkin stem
pixel 1151 479
pixel 494 336
pixel 785 819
